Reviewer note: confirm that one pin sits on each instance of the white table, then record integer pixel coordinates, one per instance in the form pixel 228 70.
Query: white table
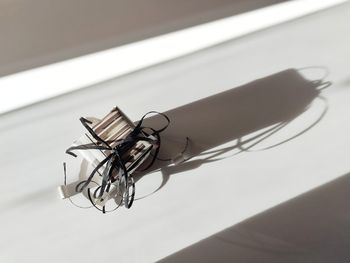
pixel 202 197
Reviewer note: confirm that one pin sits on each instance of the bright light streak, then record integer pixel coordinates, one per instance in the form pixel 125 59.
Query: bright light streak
pixel 38 84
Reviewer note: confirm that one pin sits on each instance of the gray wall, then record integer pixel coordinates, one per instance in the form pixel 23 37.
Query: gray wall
pixel 38 32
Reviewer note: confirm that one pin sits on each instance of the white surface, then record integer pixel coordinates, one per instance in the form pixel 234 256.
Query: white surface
pixel 49 81
pixel 36 226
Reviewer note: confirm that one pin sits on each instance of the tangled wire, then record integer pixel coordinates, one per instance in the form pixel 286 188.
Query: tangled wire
pixel 116 181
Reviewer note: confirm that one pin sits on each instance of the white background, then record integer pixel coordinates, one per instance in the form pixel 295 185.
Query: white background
pixel 36 226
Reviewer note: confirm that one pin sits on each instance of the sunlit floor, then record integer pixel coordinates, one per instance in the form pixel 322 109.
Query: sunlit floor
pixel 268 117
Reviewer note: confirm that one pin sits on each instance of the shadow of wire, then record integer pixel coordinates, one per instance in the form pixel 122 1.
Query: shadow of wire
pixel 264 106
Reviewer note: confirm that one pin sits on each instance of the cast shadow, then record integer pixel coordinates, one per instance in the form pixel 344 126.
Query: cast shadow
pixel 312 228
pixel 262 107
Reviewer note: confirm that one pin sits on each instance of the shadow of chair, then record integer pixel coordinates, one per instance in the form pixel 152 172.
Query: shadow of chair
pixel 262 107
